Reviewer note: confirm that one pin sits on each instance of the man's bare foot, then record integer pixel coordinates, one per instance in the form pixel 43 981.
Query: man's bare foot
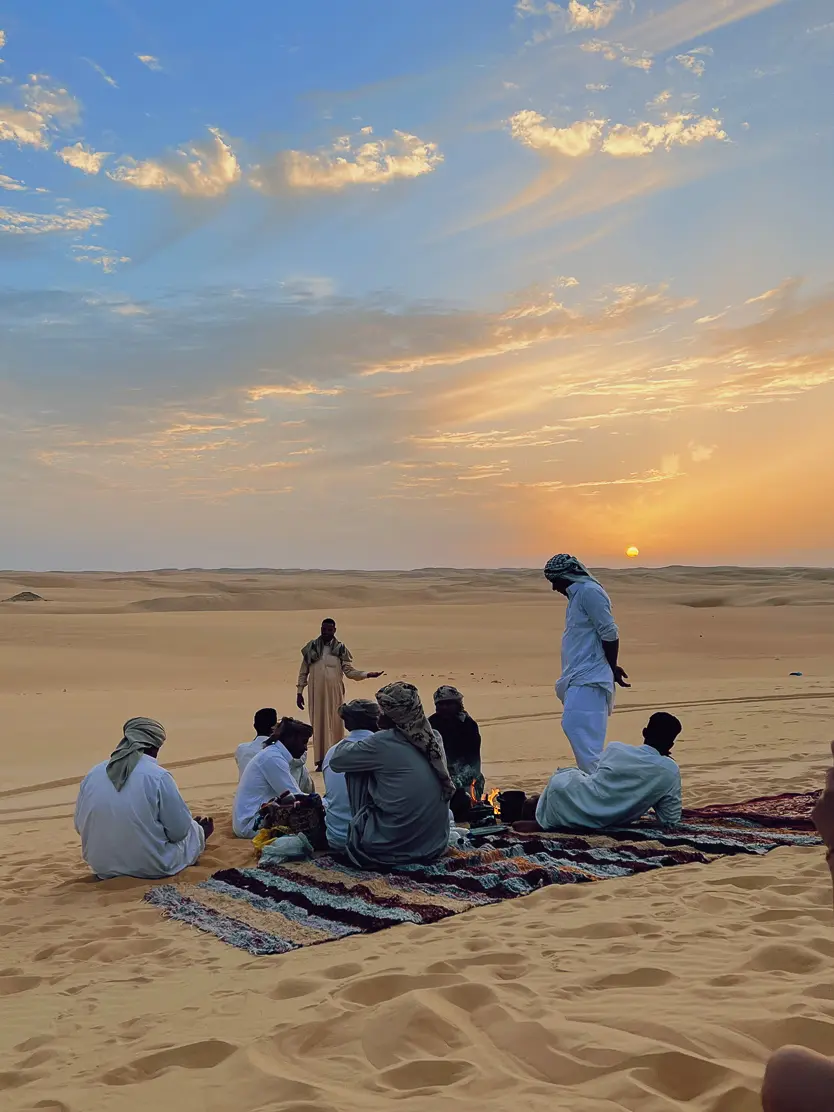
pixel 527 826
pixel 207 824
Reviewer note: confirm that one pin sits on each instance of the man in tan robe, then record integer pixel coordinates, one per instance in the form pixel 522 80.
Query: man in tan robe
pixel 324 664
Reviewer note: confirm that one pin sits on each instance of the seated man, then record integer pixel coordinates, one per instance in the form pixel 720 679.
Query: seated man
pixel 268 775
pixel 265 722
pixel 130 815
pixel 361 720
pixel 796 1079
pixel 462 746
pixel 398 785
pixel 628 781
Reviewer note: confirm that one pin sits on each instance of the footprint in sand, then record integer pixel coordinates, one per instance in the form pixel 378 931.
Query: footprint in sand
pixel 781 958
pixel 643 977
pixel 10 985
pixel 385 986
pixel 683 1077
pixel 290 988
pixel 193 1056
pixel 426 1073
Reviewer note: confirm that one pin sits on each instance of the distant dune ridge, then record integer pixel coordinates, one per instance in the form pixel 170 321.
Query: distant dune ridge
pixel 245 589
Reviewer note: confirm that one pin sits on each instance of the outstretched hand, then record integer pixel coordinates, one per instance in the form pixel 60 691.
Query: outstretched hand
pixel 823 812
pixel 375 675
pixel 620 677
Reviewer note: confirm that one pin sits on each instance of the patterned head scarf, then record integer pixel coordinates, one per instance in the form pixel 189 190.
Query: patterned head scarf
pixel 567 567
pixel 448 694
pixel 367 708
pixel 140 736
pixel 314 650
pixel 401 703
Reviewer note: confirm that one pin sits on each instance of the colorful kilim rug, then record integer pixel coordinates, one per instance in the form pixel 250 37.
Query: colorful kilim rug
pixel 283 907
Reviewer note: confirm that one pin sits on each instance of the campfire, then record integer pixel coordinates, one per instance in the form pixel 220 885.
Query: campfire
pixel 494 808
pixel 485 810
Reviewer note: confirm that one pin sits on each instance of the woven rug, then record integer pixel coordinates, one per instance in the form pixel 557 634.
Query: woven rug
pixel 283 907
pixel 793 810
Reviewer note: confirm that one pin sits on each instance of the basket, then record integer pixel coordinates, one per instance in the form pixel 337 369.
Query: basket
pixel 304 816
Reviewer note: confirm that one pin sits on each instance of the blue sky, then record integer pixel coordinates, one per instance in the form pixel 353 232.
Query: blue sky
pixel 468 282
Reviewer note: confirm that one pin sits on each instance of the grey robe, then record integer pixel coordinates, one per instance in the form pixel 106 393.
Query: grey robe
pixel 399 814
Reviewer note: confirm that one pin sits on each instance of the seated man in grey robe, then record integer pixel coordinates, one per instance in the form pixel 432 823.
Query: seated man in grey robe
pixel 398 785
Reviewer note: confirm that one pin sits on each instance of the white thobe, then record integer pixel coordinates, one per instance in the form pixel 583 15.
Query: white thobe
pixel 145 830
pixel 586 686
pixel 629 781
pixel 298 765
pixel 267 776
pixel 337 812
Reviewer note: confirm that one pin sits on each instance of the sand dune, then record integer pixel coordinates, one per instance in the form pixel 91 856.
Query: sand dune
pixel 652 993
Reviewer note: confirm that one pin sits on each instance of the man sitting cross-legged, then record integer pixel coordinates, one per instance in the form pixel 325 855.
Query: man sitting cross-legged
pixel 130 815
pixel 628 781
pixel 265 722
pixel 269 774
pixel 398 786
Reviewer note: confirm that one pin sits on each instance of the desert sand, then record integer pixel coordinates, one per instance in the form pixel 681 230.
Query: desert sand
pixel 649 993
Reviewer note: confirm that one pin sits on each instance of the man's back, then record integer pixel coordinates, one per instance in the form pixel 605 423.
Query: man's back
pixel 399 813
pixel 135 831
pixel 629 781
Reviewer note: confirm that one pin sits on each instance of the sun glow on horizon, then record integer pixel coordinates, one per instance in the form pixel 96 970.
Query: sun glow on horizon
pixel 632 552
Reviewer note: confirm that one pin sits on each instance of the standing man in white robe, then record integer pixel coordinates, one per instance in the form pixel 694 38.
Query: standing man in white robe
pixel 590 649
pixel 324 664
pixel 131 818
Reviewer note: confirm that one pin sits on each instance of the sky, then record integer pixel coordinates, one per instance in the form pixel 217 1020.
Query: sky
pixel 392 285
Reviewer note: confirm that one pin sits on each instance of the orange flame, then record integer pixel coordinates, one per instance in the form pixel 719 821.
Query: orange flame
pixel 473 795
pixel 492 800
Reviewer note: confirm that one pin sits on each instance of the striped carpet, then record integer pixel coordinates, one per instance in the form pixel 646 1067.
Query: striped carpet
pixel 283 907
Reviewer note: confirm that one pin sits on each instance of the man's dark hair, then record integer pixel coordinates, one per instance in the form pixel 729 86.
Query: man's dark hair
pixel 265 719
pixel 661 730
pixel 328 621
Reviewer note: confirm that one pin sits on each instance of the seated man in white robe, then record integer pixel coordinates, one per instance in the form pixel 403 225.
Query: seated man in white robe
pixel 265 722
pixel 130 815
pixel 269 775
pixel 629 781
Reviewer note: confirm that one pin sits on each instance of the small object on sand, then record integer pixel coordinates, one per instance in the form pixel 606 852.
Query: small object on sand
pixel 25 596
pixel 796 673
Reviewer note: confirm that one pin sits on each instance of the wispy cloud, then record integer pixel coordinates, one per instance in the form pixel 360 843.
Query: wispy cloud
pixel 38 224
pixel 44 109
pixel 577 139
pixel 199 170
pixel 293 390
pixel 585 137
pixel 690 19
pixel 351 161
pixel 681 130
pixel 149 60
pixel 102 73
pixel 593 16
pixel 99 256
pixel 11 184
pixel 617 52
pixel 83 158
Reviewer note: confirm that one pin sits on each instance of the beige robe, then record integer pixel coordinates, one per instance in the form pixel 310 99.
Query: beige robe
pixel 326 694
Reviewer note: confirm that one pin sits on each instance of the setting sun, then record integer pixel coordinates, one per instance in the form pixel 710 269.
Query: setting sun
pixel 632 551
